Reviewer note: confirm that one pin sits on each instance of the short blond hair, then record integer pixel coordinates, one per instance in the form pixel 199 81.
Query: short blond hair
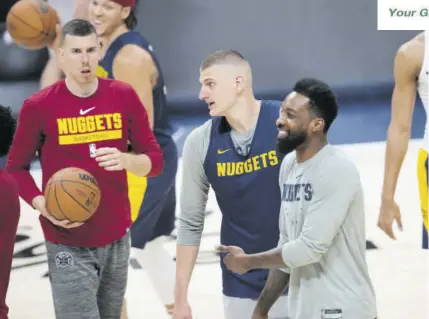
pixel 222 56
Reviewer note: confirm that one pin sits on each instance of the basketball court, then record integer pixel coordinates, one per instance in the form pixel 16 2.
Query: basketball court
pixel 399 269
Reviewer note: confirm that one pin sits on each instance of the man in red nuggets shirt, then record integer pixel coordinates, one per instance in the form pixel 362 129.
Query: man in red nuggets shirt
pixel 66 122
pixel 9 209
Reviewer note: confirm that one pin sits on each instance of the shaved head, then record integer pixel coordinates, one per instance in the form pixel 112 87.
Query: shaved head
pixel 226 80
pixel 232 63
pixel 223 57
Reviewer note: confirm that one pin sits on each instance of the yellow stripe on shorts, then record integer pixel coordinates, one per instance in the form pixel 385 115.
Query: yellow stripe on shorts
pixel 136 190
pixel 423 186
pixel 136 185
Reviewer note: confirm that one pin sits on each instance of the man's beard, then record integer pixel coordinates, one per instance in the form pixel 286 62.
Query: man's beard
pixel 291 142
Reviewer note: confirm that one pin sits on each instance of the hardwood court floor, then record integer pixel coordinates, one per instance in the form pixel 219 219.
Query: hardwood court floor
pixel 399 269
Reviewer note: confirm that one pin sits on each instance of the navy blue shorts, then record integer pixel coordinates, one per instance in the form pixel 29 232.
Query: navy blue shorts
pixel 157 214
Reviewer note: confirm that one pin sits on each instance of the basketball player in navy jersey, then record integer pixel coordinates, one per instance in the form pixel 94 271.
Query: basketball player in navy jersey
pixel 322 218
pixel 130 58
pixel 235 154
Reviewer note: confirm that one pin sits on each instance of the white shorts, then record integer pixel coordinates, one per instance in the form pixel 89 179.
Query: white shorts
pixel 240 308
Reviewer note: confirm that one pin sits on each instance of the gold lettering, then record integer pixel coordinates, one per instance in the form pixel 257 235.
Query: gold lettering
pixel 117 121
pixel 89 137
pixel 221 169
pixel 108 121
pixel 239 168
pixel 99 123
pixel 273 158
pixel 62 126
pixel 230 168
pixel 76 130
pixel 263 156
pixel 248 165
pixel 90 123
pixel 71 123
pixel 255 161
pixel 81 124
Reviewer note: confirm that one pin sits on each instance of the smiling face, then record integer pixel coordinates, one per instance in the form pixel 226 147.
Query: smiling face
pixel 220 88
pixel 106 16
pixel 294 123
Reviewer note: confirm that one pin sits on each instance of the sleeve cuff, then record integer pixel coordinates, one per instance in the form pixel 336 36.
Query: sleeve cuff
pixel 30 195
pixel 285 254
pixel 157 163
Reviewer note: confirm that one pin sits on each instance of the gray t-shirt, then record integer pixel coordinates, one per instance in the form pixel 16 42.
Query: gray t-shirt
pixel 195 186
pixel 322 235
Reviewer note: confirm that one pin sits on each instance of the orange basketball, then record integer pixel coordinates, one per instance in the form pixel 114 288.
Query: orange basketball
pixel 32 23
pixel 72 193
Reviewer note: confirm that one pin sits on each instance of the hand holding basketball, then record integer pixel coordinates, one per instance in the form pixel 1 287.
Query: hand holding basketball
pixel 110 158
pixel 32 24
pixel 55 44
pixel 39 203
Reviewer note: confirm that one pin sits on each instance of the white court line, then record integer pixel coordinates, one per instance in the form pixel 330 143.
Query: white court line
pixel 399 269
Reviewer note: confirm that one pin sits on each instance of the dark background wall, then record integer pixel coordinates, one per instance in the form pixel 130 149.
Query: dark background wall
pixel 334 40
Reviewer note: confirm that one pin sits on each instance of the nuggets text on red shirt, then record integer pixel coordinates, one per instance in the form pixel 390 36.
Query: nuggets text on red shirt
pixel 88 129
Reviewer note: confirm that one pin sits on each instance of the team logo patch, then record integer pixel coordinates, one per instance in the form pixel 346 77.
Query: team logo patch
pixel 64 259
pixel 92 150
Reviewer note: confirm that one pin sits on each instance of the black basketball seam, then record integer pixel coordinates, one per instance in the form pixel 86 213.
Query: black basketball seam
pixel 68 180
pixel 53 16
pixel 56 199
pixel 30 38
pixel 42 20
pixel 46 35
pixel 27 24
pixel 62 186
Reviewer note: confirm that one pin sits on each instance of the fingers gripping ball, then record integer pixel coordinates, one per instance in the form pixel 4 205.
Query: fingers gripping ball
pixel 73 194
pixel 32 23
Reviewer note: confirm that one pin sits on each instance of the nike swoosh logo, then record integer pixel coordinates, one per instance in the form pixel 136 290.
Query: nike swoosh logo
pixel 82 112
pixel 220 152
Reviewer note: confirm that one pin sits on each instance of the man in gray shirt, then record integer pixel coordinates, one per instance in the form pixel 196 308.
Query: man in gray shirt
pixel 322 219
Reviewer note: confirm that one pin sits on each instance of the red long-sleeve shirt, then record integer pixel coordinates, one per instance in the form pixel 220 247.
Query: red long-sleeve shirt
pixel 61 126
pixel 9 218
